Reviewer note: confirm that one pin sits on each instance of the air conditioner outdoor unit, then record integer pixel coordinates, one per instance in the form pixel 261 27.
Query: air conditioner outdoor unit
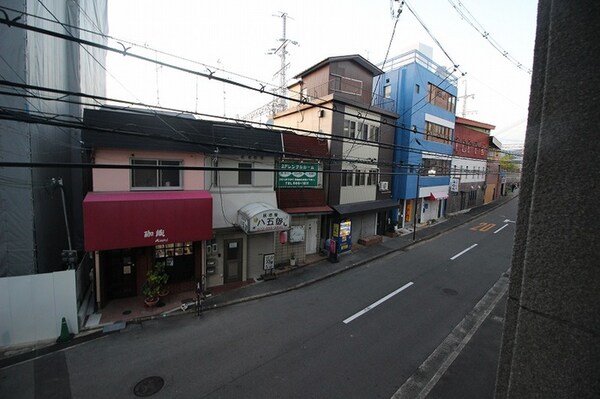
pixel 383 186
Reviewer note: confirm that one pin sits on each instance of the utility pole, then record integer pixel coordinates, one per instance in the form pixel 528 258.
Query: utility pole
pixel 280 103
pixel 464 98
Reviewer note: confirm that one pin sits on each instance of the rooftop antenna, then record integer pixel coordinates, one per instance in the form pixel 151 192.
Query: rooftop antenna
pixel 280 104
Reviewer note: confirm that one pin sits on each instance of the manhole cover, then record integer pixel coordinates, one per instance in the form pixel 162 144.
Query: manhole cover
pixel 148 386
pixel 126 312
pixel 450 291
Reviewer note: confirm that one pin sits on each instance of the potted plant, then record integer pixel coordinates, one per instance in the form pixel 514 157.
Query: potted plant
pixel 154 286
pixel 293 260
pixel 162 277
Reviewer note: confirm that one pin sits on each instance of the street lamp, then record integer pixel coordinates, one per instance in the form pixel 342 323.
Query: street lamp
pixel 430 172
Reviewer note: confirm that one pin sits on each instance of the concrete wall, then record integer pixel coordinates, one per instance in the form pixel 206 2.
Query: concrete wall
pixel 33 307
pixel 550 344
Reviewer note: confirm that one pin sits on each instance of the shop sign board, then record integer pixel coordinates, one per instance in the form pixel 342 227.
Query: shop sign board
pixel 298 175
pixel 263 222
pixel 454 184
pixel 297 234
pixel 268 261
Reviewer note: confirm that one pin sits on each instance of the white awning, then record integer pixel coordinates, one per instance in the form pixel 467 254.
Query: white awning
pixel 260 217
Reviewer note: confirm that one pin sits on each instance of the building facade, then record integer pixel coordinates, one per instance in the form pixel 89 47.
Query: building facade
pixel 425 97
pixel 495 181
pixel 33 231
pixel 469 164
pixel 340 105
pixel 195 196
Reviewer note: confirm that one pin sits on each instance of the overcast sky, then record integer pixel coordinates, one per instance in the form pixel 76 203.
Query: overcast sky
pixel 236 35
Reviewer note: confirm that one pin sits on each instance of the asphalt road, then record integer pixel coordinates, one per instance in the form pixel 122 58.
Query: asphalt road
pixel 310 343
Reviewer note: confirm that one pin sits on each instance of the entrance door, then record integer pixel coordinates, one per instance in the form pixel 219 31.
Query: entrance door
pixel 120 273
pixel 311 236
pixel 233 260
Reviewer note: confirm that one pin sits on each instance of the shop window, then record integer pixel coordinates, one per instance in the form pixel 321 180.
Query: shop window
pixel 155 178
pixel 178 259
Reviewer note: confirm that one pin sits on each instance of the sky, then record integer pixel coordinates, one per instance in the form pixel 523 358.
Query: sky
pixel 233 38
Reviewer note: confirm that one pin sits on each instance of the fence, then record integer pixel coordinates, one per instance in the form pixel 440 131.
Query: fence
pixel 34 305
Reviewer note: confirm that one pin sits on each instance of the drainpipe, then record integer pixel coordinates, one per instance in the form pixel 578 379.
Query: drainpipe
pixel 58 181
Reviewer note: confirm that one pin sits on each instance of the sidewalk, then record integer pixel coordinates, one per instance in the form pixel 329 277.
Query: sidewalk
pixel 306 275
pixel 289 280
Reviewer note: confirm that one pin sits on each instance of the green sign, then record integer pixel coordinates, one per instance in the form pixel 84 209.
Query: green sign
pixel 298 175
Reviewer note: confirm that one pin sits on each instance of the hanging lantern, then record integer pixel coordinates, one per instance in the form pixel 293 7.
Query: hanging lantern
pixel 283 237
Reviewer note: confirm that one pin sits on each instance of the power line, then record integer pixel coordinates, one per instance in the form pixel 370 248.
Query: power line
pixel 454 64
pixel 471 20
pixel 285 129
pixel 208 76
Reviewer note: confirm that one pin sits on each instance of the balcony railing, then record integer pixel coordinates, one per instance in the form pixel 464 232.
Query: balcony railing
pixel 348 88
pixel 415 56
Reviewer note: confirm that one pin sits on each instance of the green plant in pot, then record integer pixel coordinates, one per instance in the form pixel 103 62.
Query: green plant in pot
pixel 154 287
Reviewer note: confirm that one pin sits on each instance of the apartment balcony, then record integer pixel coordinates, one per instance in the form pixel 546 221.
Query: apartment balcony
pixel 346 88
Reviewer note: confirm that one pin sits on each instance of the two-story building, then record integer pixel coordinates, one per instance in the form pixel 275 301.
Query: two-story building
pixel 184 192
pixel 338 102
pixel 469 164
pixel 424 95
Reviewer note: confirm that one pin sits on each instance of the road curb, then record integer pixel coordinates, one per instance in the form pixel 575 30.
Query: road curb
pixel 94 333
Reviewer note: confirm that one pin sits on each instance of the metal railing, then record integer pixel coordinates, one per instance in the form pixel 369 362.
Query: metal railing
pixel 415 56
pixel 349 88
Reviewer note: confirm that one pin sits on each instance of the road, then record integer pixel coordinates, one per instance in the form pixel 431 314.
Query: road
pixel 361 334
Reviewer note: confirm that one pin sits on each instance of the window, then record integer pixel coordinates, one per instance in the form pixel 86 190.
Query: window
pixel 360 178
pixel 347 178
pixel 372 179
pixel 440 98
pixel 417 89
pixel 387 91
pixel 441 166
pixel 437 133
pixel 178 259
pixel 155 178
pixel 374 133
pixel 245 173
pixel 349 129
pixel 363 131
pixel 344 173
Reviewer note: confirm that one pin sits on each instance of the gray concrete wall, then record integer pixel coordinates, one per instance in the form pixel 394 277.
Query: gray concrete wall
pixel 550 342
pixel 33 307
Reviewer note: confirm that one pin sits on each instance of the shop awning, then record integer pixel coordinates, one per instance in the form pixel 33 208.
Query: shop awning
pixel 139 219
pixel 260 217
pixel 303 201
pixel 365 206
pixel 438 195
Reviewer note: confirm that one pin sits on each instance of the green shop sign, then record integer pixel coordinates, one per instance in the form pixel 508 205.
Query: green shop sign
pixel 298 175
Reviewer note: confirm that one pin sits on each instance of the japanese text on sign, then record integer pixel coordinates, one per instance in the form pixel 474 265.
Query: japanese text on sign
pixel 298 174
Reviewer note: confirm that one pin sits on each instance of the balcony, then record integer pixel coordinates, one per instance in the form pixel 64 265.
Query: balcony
pixel 348 88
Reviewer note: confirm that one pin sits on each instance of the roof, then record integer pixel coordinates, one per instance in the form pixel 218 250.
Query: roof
pixel 365 206
pixel 300 198
pixel 116 128
pixel 470 122
pixel 298 146
pixel 354 57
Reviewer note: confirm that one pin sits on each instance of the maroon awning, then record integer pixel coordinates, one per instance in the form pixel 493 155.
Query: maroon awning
pixel 139 219
pixel 295 201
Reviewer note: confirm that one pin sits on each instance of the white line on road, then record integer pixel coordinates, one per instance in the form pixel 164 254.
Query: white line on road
pixel 379 302
pixel 500 228
pixel 460 253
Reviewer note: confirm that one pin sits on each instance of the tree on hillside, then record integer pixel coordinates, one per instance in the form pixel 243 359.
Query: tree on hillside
pixel 509 164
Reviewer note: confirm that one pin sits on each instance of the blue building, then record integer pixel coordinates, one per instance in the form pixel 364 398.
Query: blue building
pixel 425 98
